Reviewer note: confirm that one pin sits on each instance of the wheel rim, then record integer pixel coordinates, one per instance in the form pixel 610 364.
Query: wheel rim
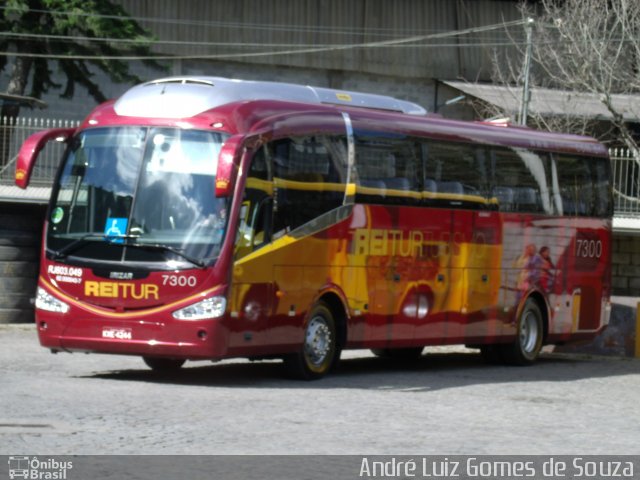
pixel 529 333
pixel 317 342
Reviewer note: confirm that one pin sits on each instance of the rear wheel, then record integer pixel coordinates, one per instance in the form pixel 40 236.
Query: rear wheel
pixel 319 351
pixel 524 350
pixel 159 364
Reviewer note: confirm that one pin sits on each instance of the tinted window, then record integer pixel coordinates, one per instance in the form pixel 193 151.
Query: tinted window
pixel 583 185
pixel 456 173
pixel 520 180
pixel 388 170
pixel 309 179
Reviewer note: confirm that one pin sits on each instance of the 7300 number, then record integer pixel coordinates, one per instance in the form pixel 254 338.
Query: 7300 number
pixel 179 280
pixel 588 248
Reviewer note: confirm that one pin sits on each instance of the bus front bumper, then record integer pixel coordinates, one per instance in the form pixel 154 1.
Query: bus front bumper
pixel 158 337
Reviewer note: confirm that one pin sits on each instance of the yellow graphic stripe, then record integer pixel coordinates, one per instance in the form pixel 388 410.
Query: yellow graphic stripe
pixel 138 313
pixel 317 186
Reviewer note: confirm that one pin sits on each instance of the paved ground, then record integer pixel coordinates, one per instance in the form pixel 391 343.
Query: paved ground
pixel 447 403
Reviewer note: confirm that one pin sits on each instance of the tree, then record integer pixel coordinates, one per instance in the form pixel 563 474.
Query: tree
pixel 585 46
pixel 78 35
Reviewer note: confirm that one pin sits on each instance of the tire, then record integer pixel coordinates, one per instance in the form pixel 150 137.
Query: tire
pixel 17 253
pixel 19 269
pixel 524 350
pixel 19 239
pixel 401 354
pixel 164 365
pixel 319 351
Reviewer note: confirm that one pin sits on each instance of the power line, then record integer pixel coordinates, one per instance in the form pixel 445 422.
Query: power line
pixel 349 30
pixel 76 39
pixel 405 42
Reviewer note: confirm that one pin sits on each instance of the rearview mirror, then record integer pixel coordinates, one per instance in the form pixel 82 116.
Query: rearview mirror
pixel 30 149
pixel 227 165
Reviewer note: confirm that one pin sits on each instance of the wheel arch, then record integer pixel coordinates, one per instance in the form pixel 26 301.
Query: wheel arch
pixel 337 306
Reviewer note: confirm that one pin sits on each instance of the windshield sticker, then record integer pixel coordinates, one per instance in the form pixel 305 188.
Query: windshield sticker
pixel 116 227
pixel 57 215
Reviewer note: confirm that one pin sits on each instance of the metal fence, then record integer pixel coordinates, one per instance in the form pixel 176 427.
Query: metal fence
pixel 13 132
pixel 625 164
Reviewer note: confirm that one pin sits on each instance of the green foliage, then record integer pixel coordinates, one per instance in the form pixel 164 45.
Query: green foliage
pixel 84 28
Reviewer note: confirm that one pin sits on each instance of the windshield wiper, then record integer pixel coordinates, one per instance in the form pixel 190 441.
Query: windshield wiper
pixel 157 246
pixel 77 243
pixel 126 240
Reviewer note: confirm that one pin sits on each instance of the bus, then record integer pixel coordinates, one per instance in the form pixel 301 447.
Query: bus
pixel 203 218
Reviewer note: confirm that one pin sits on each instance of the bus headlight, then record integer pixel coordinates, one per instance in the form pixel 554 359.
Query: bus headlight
pixel 213 307
pixel 47 302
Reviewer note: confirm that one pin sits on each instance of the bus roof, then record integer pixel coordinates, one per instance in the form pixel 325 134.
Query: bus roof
pixel 183 97
pixel 239 106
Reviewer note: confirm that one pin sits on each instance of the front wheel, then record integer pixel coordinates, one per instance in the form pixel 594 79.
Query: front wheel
pixel 528 342
pixel 159 364
pixel 319 351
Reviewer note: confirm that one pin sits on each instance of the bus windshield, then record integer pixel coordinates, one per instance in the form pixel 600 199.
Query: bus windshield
pixel 139 194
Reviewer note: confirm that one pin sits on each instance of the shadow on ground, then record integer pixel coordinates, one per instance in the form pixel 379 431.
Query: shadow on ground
pixel 431 372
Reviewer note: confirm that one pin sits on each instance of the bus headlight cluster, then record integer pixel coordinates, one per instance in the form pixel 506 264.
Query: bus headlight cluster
pixel 47 302
pixel 213 307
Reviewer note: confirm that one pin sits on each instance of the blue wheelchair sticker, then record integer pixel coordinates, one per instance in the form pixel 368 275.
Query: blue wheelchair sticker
pixel 116 227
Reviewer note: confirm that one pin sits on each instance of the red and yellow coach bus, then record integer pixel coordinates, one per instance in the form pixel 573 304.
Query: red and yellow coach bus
pixel 206 218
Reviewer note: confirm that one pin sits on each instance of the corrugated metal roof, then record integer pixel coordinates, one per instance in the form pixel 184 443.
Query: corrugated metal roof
pixel 545 101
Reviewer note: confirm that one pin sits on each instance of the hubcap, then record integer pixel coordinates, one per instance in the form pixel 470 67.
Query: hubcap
pixel 318 341
pixel 529 333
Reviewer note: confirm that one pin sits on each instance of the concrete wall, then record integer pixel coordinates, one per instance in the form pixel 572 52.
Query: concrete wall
pixel 626 265
pixel 205 28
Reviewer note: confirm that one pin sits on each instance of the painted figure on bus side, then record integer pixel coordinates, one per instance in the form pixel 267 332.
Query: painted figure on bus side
pixel 528 265
pixel 547 270
pixel 536 269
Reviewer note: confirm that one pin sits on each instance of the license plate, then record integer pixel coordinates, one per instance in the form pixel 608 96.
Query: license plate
pixel 117 333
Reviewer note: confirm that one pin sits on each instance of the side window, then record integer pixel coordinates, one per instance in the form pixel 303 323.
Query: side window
pixel 456 174
pixel 257 207
pixel 520 180
pixel 583 185
pixel 309 179
pixel 601 174
pixel 388 170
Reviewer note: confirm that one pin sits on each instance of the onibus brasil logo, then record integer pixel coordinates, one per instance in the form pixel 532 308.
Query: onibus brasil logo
pixel 38 469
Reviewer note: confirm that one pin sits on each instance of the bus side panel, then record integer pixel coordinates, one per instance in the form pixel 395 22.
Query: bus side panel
pixel 479 246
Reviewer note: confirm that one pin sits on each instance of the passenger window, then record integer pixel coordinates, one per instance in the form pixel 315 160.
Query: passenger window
pixel 520 180
pixel 583 186
pixel 455 174
pixel 309 179
pixel 388 170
